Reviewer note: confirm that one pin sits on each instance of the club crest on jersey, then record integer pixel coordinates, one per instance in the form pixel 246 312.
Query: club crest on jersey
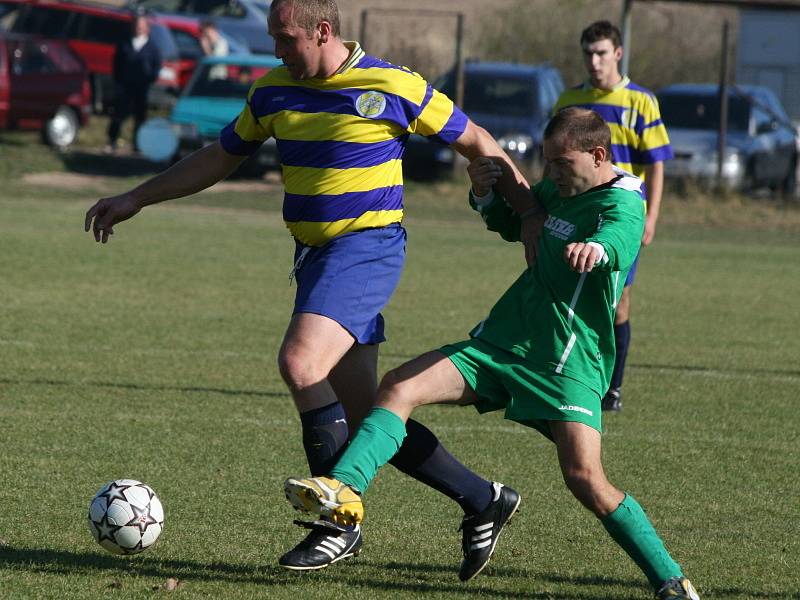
pixel 371 104
pixel 629 118
pixel 560 228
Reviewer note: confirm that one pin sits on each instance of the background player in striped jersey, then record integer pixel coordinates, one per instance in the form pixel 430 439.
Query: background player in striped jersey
pixel 543 355
pixel 640 145
pixel 340 119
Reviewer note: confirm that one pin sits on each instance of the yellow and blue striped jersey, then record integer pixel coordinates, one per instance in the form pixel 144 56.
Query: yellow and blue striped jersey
pixel 638 135
pixel 341 141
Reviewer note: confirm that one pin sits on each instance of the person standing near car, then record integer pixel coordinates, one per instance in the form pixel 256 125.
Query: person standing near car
pixel 211 40
pixel 137 62
pixel 214 43
pixel 341 120
pixel 640 145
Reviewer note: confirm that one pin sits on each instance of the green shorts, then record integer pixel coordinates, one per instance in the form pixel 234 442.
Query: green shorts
pixel 502 380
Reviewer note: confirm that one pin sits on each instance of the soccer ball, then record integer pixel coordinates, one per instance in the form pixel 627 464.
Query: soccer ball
pixel 126 516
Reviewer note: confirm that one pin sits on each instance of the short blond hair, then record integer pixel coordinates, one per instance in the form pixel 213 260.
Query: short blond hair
pixel 310 13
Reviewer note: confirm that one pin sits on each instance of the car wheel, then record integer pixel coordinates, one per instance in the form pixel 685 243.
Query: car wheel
pixel 789 183
pixel 62 129
pixel 749 182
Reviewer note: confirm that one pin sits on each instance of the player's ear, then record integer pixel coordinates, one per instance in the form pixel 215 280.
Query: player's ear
pixel 324 29
pixel 600 155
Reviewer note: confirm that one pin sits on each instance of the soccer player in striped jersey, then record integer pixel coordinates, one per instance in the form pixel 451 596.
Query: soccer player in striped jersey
pixel 543 355
pixel 639 145
pixel 340 119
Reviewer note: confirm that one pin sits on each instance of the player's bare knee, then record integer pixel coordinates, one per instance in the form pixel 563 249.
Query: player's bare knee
pixel 298 369
pixel 395 389
pixel 623 307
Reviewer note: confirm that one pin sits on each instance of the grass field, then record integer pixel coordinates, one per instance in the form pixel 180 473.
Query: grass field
pixel 153 357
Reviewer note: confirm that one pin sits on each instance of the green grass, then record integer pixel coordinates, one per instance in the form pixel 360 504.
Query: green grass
pixel 153 357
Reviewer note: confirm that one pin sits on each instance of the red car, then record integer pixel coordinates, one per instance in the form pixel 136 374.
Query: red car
pixel 43 85
pixel 92 31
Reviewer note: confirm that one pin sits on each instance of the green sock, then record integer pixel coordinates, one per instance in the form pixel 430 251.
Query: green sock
pixel 632 530
pixel 377 440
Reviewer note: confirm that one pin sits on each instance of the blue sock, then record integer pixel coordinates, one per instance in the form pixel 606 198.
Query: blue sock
pixel 424 458
pixel 622 339
pixel 324 436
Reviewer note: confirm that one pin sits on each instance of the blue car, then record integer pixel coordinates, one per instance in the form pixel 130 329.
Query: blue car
pixel 214 96
pixel 512 101
pixel 243 20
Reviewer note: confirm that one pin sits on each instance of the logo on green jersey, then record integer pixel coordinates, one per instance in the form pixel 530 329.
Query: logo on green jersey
pixel 560 228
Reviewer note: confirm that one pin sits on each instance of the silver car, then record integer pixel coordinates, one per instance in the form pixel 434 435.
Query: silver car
pixel 761 143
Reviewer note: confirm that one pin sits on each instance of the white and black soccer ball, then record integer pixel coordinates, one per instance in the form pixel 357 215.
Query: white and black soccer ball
pixel 126 516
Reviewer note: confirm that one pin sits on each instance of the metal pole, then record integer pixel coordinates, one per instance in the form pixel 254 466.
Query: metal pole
pixel 626 37
pixel 459 73
pixel 723 104
pixel 362 34
pixel 459 60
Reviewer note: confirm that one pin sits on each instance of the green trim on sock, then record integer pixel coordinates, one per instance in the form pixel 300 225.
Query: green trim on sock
pixel 377 440
pixel 632 530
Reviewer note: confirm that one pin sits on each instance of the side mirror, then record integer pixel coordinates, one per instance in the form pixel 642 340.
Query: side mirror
pixel 768 127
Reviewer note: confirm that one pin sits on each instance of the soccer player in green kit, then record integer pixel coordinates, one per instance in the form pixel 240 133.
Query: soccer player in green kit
pixel 544 354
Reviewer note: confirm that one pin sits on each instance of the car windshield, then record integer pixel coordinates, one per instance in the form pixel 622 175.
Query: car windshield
pixel 219 8
pixel 498 95
pixel 701 111
pixel 8 13
pixel 225 81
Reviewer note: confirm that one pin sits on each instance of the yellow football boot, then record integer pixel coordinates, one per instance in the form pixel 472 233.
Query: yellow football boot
pixel 327 497
pixel 677 588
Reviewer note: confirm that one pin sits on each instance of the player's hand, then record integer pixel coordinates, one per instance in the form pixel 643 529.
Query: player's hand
pixel 530 232
pixel 581 257
pixel 107 212
pixel 649 232
pixel 483 173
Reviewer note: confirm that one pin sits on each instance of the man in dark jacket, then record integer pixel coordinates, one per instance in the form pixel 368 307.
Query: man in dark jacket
pixel 136 65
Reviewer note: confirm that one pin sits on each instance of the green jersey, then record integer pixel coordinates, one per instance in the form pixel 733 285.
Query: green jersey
pixel 557 320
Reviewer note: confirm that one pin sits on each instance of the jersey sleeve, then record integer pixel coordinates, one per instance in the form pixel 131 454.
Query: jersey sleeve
pixel 619 232
pixel 654 143
pixel 439 119
pixel 498 216
pixel 244 135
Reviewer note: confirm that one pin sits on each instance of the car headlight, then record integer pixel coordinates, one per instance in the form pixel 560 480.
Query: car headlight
pixel 168 74
pixel 185 130
pixel 516 142
pixel 444 155
pixel 732 164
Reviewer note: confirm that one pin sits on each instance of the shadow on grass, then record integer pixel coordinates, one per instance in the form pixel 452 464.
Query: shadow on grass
pixel 702 369
pixel 143 387
pixel 93 163
pixel 352 573
pixel 72 563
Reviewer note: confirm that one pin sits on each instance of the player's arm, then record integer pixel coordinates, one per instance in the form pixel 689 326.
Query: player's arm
pixel 615 244
pixel 196 172
pixel 654 175
pixel 495 212
pixel 476 142
pixel 655 148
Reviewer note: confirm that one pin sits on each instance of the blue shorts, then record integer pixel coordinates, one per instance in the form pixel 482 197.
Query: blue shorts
pixel 632 273
pixel 351 278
